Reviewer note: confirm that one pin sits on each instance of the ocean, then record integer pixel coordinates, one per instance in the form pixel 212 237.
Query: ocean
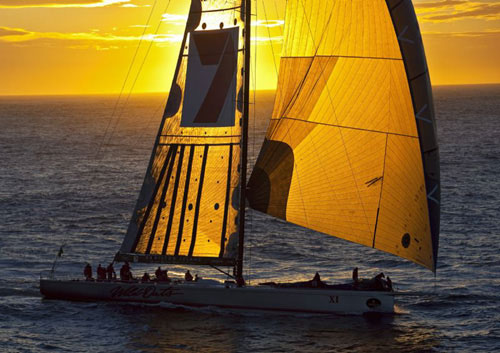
pixel 71 175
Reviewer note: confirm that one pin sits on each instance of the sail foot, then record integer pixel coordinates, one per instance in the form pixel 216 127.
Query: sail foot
pixel 167 259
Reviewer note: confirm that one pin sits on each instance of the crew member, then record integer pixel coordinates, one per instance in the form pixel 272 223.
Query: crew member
pixel 389 284
pixel 111 272
pixel 159 274
pixel 188 277
pixel 379 282
pixel 316 281
pixel 87 272
pixel 101 273
pixel 125 273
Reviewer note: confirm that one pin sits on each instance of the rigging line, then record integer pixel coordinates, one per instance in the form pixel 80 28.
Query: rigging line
pixel 138 73
pixel 148 122
pixel 340 130
pixel 115 107
pixel 126 79
pixel 250 213
pixel 269 35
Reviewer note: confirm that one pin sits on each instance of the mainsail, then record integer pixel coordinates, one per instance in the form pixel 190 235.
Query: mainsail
pixel 351 149
pixel 188 208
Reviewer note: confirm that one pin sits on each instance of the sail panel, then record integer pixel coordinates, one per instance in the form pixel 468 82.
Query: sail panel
pixel 343 152
pixel 356 29
pixel 188 207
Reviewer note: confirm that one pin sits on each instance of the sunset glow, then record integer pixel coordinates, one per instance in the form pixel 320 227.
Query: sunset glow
pixel 88 46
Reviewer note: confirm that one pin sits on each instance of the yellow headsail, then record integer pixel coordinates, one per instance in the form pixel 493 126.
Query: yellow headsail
pixel 351 148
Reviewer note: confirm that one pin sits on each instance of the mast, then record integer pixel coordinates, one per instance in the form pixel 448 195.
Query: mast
pixel 244 143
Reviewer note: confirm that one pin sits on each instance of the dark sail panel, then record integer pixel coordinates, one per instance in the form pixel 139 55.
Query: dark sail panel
pixel 412 48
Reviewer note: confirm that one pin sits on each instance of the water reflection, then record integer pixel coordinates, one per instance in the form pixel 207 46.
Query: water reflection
pixel 205 330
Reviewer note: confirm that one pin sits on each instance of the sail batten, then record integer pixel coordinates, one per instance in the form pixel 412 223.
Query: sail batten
pixel 345 152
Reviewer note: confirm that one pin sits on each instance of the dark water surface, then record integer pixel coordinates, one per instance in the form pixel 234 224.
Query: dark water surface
pixel 57 187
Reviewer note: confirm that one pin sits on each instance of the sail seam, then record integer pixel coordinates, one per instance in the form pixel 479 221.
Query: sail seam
pixel 348 127
pixel 342 56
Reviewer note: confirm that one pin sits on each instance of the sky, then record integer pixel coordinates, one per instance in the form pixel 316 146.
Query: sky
pixel 62 47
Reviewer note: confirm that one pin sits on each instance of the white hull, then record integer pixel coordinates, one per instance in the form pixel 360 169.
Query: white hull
pixel 307 300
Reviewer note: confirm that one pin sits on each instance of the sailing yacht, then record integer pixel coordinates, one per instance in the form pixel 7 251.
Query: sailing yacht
pixel 350 151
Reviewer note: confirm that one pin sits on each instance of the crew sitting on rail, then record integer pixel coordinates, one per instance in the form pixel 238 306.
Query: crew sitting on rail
pixel 101 273
pixel 379 281
pixel 188 276
pixel 145 277
pixel 125 273
pixel 161 275
pixel 389 284
pixel 87 272
pixel 111 272
pixel 316 282
pixel 355 277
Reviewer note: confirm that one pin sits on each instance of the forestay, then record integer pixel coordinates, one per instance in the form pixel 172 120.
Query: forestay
pixel 187 211
pixel 351 148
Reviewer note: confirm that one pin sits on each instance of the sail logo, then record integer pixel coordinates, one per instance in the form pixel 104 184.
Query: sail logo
pixel 334 299
pixel 210 98
pixel 143 292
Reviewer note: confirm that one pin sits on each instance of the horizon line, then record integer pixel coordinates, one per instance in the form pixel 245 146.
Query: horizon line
pixel 166 92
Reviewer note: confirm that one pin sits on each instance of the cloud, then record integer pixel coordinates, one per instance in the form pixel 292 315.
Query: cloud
pixel 97 39
pixel 440 4
pixel 11 32
pixel 62 3
pixel 180 20
pixel 16 35
pixel 454 10
pixel 473 34
pixel 174 19
pixel 268 23
pixel 268 39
